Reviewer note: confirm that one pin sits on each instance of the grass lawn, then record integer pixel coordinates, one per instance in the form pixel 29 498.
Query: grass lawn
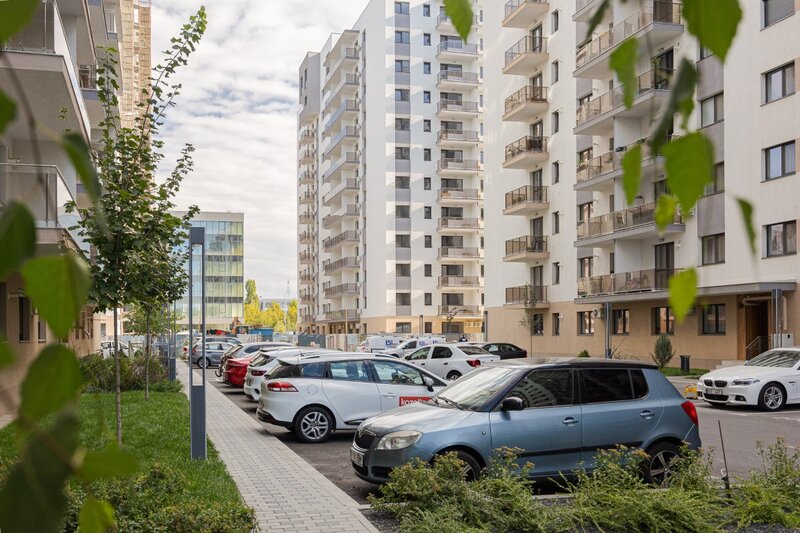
pixel 671 371
pixel 179 493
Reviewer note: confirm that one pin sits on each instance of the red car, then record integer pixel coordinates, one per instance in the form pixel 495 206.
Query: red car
pixel 235 370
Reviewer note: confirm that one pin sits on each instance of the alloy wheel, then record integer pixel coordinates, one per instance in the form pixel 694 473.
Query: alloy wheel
pixel 773 397
pixel 660 466
pixel 314 425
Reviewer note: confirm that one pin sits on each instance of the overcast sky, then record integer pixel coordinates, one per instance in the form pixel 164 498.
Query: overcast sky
pixel 238 108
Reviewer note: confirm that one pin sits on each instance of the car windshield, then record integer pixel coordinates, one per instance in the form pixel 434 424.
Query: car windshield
pixel 476 388
pixel 473 350
pixel 776 358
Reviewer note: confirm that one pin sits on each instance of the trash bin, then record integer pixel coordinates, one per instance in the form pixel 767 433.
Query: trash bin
pixel 685 363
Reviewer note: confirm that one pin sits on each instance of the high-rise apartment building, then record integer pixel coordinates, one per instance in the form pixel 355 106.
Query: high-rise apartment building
pixel 563 244
pixel 390 182
pixel 134 57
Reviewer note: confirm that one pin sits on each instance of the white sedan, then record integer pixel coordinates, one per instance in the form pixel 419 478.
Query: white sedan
pixel 770 381
pixel 318 394
pixel 451 361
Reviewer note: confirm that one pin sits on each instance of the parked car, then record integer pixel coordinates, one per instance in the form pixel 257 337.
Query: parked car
pixel 505 350
pixel 406 347
pixel 316 395
pixel 379 343
pixel 451 361
pixel 213 353
pixel 770 381
pixel 260 367
pixel 107 349
pixel 230 339
pixel 234 371
pixel 248 348
pixel 534 405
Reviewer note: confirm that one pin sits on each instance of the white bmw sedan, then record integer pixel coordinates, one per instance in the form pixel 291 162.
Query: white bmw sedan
pixel 770 381
pixel 316 395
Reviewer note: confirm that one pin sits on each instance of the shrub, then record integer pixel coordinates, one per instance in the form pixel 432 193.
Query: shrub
pixel 771 496
pixel 583 353
pixel 663 352
pixel 98 373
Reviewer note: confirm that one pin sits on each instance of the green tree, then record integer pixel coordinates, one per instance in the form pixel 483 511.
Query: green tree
pixel 292 316
pixel 251 296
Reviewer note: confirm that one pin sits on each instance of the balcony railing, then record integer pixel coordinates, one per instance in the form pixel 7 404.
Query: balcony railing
pixel 307 217
pixel 308 198
pixel 39 35
pixel 444 19
pixel 529 93
pixel 306 298
pixel 536 194
pixel 658 11
pixel 338 290
pixel 460 164
pixel 460 281
pixel 460 310
pixel 307 153
pixel 347 80
pixel 41 188
pixel 306 276
pixel 329 267
pixel 458 106
pixel 513 5
pixel 457 76
pixel 349 184
pixel 458 135
pixel 527 44
pixel 460 194
pixel 455 252
pixel 458 47
pixel 348 157
pixel 621 220
pixel 308 175
pixel 626 282
pixel 527 144
pixel 349 54
pixel 460 223
pixel 347 131
pixel 343 315
pixel 652 80
pixel 348 211
pixel 527 244
pixel 345 236
pixel 526 294
pixel 307 134
pixel 603 164
pixel 347 105
pixel 306 257
pixel 308 237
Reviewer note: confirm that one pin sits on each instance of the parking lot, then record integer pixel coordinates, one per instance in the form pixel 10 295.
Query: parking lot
pixel 742 429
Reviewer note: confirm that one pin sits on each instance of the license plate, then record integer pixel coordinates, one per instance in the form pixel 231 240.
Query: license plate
pixel 356 457
pixel 718 392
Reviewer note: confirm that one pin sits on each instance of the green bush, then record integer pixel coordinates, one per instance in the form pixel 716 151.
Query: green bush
pixel 98 373
pixel 583 353
pixel 771 496
pixel 663 352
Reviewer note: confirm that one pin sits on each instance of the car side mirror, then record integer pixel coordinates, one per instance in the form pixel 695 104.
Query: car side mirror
pixel 512 403
pixel 428 383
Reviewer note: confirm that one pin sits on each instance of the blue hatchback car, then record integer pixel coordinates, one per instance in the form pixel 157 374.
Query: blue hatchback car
pixel 558 411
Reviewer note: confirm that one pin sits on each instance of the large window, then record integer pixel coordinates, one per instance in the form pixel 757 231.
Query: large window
pixel 663 321
pixel 538 324
pixel 24 318
pixel 402 211
pixel 402 241
pixel 402 65
pixel 401 95
pixel 718 183
pixel 781 239
pixel 403 298
pixel 585 323
pixel 545 388
pixel 402 182
pixel 714 249
pixel 779 83
pixel 612 385
pixel 712 110
pixel 779 160
pixel 402 37
pixel 402 152
pixel 402 327
pixel 401 8
pixel 713 319
pixel 621 321
pixel 402 124
pixel 776 10
pixel 556 324
pixel 403 270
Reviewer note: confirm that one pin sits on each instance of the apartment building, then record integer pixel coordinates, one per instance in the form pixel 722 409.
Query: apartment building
pixel 134 55
pixel 390 175
pixel 565 246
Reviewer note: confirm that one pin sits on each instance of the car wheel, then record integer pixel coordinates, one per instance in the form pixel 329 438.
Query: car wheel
pixel 656 467
pixel 454 375
pixel 772 397
pixel 313 424
pixel 471 469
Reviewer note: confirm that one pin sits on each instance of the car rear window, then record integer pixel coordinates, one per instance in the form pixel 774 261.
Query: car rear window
pixel 472 350
pixel 612 384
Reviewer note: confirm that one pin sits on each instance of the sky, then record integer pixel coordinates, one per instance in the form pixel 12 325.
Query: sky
pixel 238 107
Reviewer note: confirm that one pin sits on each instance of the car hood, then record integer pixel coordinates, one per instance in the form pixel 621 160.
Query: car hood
pixel 417 416
pixel 742 372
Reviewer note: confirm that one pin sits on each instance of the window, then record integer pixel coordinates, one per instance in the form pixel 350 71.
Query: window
pixel 428 211
pixel 545 388
pixel 402 182
pixel 779 83
pixel 781 239
pixel 426 184
pixel 779 161
pixel 428 327
pixel 41 330
pixel 401 8
pixel 402 65
pixel 422 353
pixel 426 39
pixel 402 241
pixel 426 10
pixel 428 298
pixel 714 249
pixel 428 241
pixel 712 318
pixel 554 121
pixel 428 270
pixel 426 154
pixel 402 152
pixel 426 97
pixel 776 10
pixel 24 320
pixel 403 270
pixel 556 172
pixel 403 298
pixel 348 370
pixel 556 223
pixel 718 183
pixel 392 373
pixel 585 323
pixel 402 124
pixel 402 327
pixel 620 321
pixel 612 385
pixel 705 52
pixel 556 324
pixel 441 352
pixel 402 211
pixel 556 273
pixel 554 22
pixel 585 267
pixel 554 72
pixel 402 37
pixel 712 110
pixel 538 324
pixel 401 95
pixel 426 125
pixel 663 321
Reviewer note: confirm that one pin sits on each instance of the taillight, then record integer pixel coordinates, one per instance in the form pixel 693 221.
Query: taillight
pixel 474 362
pixel 524 353
pixel 279 386
pixel 257 372
pixel 691 412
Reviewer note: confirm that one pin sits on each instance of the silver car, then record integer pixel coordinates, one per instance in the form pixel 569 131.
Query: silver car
pixel 558 411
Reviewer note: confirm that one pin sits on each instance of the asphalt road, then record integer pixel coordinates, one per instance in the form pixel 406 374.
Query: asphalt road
pixel 742 430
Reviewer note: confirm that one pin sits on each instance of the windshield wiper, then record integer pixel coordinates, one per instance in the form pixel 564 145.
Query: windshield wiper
pixel 448 401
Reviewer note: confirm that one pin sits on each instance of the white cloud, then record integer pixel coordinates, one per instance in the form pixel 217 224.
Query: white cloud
pixel 238 108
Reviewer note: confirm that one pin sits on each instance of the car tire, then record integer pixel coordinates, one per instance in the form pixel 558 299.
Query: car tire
pixel 772 397
pixel 454 375
pixel 656 467
pixel 471 470
pixel 313 425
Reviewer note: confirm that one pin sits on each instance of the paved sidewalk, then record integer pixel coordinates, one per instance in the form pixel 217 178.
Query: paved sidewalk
pixel 287 493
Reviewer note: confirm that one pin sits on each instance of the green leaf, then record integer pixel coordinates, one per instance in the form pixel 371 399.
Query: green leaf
pixel 747 217
pixel 7 357
pixel 623 62
pixel 713 23
pixel 58 286
pixel 78 153
pixel 108 463
pixel 14 15
pixel 681 98
pixel 597 18
pixel 53 381
pixel 460 12
pixel 96 516
pixel 33 497
pixel 8 110
pixel 665 211
pixel 690 166
pixel 17 237
pixel 632 172
pixel 682 292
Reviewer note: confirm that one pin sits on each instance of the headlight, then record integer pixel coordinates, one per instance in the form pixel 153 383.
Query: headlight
pixel 745 382
pixel 398 440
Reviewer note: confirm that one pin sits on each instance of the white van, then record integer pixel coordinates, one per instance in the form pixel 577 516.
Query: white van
pixel 379 343
pixel 410 345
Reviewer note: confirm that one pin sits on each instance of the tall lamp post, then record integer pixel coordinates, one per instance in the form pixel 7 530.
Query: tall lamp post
pixel 197 396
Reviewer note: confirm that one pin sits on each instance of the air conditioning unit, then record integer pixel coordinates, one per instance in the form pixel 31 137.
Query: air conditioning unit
pixel 599 313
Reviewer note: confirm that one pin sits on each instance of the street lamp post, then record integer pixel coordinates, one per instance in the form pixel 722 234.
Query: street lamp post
pixel 197 396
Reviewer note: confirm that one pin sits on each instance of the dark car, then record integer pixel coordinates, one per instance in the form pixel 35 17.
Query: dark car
pixel 504 349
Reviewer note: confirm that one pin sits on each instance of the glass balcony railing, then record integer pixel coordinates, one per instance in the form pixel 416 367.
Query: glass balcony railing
pixel 527 244
pixel 617 221
pixel 460 194
pixel 460 164
pixel 460 310
pixel 512 5
pixel 652 80
pixel 458 47
pixel 343 315
pixel 526 145
pixel 460 223
pixel 349 236
pixel 330 267
pixel 458 135
pixel 41 188
pixel 458 106
pixel 340 290
pixel 458 252
pixel 536 194
pixel 603 164
pixel 528 94
pixel 528 44
pixel 460 281
pixel 626 282
pixel 526 294
pixel 457 76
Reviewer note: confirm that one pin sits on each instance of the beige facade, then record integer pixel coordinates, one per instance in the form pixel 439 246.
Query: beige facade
pixel 135 54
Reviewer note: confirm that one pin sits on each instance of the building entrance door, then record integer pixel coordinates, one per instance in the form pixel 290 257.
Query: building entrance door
pixel 756 324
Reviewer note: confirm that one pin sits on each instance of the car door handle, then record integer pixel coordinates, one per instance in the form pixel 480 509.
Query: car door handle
pixel 647 415
pixel 569 421
pixel 389 395
pixel 445 364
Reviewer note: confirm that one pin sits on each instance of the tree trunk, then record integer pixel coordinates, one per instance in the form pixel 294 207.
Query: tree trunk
pixel 117 391
pixel 147 355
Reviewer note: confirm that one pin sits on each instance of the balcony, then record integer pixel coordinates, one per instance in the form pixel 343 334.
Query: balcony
pixel 307 156
pixel 345 289
pixel 451 166
pixel 526 248
pixel 307 318
pixel 308 198
pixel 306 277
pixel 526 55
pixel 307 177
pixel 347 212
pixel 520 13
pixel 460 282
pixel 348 161
pixel 307 237
pixel 456 79
pixel 348 109
pixel 457 109
pixel 334 243
pixel 456 51
pixel 597 115
pixel 461 310
pixel 342 315
pixel 307 136
pixel 527 296
pixel 348 59
pixel 335 146
pixel 459 225
pixel 526 200
pixel 307 298
pixel 454 254
pixel 653 25
pixel 445 25
pixel 449 196
pixel 636 222
pixel 525 104
pixel 602 170
pixel 348 86
pixel 457 138
pixel 584 9
pixel 525 152
pixel 346 263
pixel 307 257
pixel 307 217
pixel 638 281
pixel 347 185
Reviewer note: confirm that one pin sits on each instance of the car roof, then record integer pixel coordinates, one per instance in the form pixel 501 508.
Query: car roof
pixel 322 357
pixel 572 362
